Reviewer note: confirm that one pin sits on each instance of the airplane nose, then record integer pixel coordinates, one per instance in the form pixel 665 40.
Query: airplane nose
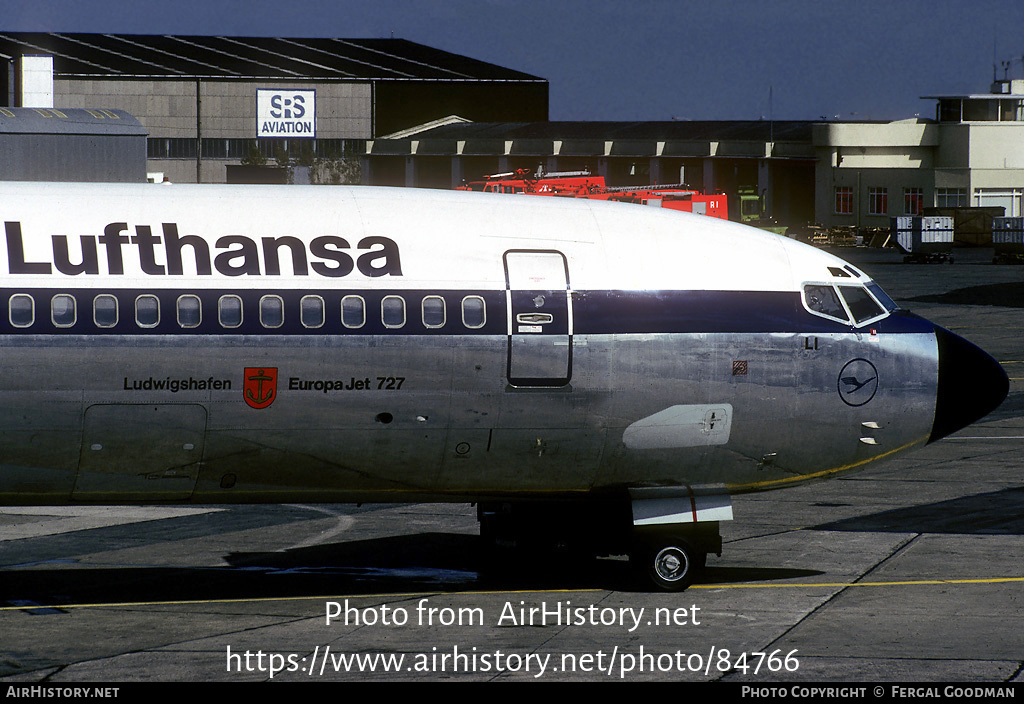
pixel 971 384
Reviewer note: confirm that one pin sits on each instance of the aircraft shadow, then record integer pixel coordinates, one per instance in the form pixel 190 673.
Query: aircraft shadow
pixel 430 562
pixel 993 513
pixel 457 560
pixel 1009 295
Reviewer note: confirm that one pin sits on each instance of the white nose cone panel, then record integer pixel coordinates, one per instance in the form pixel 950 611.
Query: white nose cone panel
pixel 681 426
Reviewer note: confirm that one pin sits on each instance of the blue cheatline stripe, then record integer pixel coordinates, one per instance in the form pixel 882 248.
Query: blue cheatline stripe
pixel 594 313
pixel 597 312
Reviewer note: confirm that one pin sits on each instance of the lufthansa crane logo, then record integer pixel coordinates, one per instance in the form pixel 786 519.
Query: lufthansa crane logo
pixel 260 387
pixel 858 382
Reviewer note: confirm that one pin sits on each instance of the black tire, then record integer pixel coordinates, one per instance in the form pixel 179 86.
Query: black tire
pixel 669 564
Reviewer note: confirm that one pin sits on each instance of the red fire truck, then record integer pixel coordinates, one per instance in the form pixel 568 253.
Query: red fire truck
pixel 581 184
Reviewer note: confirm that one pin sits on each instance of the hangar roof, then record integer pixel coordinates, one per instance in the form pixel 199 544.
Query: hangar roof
pixel 128 55
pixel 739 139
pixel 753 130
pixel 69 121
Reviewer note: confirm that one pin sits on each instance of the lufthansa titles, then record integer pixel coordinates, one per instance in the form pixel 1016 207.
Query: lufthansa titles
pixel 172 254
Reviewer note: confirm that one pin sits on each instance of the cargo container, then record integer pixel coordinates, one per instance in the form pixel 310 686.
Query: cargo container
pixel 1008 240
pixel 924 238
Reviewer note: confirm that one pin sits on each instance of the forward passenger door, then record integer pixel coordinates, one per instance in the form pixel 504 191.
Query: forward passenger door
pixel 540 318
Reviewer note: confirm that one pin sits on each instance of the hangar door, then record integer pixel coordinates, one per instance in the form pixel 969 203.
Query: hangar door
pixel 540 318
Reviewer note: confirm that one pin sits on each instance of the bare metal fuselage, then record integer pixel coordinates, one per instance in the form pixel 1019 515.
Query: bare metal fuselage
pixel 506 349
pixel 384 418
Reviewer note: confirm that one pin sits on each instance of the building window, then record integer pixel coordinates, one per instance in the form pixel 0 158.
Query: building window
pixel 913 201
pixel 950 110
pixel 980 111
pixel 844 200
pixel 1011 110
pixel 1009 199
pixel 951 197
pixel 240 148
pixel 878 201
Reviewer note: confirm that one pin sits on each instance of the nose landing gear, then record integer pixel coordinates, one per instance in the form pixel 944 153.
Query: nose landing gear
pixel 669 563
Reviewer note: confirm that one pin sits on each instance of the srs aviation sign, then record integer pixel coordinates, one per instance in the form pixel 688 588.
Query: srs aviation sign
pixel 286 113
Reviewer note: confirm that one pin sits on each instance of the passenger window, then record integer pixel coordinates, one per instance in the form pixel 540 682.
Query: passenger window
pixel 353 312
pixel 823 300
pixel 190 311
pixel 62 310
pixel 22 309
pixel 147 311
pixel 104 311
pixel 861 304
pixel 433 312
pixel 229 311
pixel 474 313
pixel 312 311
pixel 392 311
pixel 271 312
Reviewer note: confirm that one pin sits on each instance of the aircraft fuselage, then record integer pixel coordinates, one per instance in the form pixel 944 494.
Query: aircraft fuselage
pixel 260 344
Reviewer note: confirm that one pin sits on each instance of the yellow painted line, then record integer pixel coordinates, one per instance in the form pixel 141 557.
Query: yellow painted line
pixel 793 585
pixel 986 437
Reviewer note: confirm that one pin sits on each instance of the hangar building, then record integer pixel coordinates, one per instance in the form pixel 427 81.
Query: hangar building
pixel 206 100
pixel 774 158
pixel 416 116
pixel 838 174
pixel 46 144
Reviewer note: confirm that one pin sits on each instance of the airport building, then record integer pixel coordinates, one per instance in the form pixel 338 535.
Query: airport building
pixel 409 115
pixel 837 174
pixel 970 156
pixel 206 101
pixel 775 159
pixel 45 144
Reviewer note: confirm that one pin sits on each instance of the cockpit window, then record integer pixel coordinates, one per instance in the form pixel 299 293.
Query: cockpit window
pixel 840 303
pixel 882 297
pixel 861 304
pixel 823 300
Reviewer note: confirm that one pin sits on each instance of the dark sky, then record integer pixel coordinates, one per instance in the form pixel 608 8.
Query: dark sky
pixel 640 60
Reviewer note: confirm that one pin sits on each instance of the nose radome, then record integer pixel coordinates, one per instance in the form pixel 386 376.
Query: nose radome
pixel 971 384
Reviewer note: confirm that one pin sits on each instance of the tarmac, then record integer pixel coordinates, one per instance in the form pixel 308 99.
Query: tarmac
pixel 910 571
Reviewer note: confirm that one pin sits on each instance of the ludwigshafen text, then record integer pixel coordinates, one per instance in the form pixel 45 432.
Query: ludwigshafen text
pixel 176 385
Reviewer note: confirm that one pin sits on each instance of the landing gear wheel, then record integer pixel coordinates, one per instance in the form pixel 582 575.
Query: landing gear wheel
pixel 669 564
